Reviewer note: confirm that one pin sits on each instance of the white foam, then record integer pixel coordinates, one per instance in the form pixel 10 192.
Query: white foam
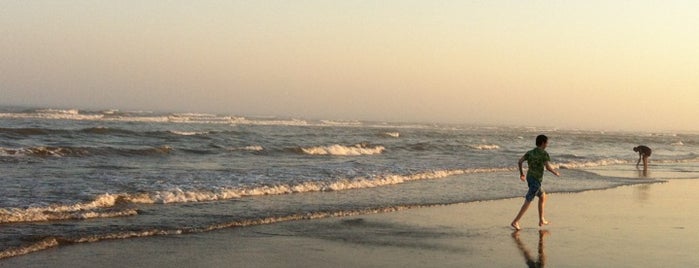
pixel 8 151
pixel 86 210
pixel 193 115
pixel 58 111
pixel 41 245
pixel 679 143
pixel 67 115
pixel 250 148
pixel 392 134
pixel 254 148
pixel 180 196
pixel 670 161
pixel 43 151
pixel 115 115
pixel 46 214
pixel 188 133
pixel 341 150
pixel 583 164
pixel 340 123
pixel 486 147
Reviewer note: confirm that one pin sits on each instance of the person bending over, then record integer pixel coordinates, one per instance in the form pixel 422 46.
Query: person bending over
pixel 643 154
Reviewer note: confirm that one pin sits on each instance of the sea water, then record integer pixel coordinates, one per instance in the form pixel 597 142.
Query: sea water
pixel 73 176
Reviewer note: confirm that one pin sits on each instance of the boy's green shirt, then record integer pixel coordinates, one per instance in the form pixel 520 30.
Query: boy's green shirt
pixel 536 159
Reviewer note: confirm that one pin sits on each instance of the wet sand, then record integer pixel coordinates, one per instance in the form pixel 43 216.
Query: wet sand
pixel 650 225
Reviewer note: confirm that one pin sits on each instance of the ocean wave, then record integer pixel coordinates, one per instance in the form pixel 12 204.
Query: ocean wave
pixel 45 151
pixel 250 148
pixel 52 151
pixel 485 147
pixel 341 123
pixel 342 150
pixel 150 117
pixel 188 118
pixel 52 242
pixel 43 244
pixel 114 115
pixel 69 114
pixel 26 131
pixel 58 111
pixel 42 215
pixel 102 206
pixel 188 133
pixel 585 164
pixel 23 132
pixel 679 143
pixel 688 159
pixel 612 161
pixel 180 196
pixel 391 134
pixel 118 205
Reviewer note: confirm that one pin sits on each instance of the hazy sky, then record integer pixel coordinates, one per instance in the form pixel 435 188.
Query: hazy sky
pixel 630 65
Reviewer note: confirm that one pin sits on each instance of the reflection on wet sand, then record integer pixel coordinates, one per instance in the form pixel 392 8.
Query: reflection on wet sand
pixel 528 257
pixel 643 173
pixel 641 193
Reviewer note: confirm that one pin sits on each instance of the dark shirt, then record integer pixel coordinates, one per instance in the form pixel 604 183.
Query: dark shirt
pixel 643 150
pixel 536 160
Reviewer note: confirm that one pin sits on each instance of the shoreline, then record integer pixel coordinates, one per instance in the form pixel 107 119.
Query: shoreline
pixel 626 226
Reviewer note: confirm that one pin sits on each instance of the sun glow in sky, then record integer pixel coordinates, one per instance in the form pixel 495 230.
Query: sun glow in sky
pixel 607 65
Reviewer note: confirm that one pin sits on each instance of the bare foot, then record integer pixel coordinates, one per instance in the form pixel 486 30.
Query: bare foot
pixel 543 222
pixel 515 225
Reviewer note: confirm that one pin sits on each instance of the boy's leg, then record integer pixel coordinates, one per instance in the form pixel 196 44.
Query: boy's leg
pixel 542 204
pixel 534 190
pixel 515 222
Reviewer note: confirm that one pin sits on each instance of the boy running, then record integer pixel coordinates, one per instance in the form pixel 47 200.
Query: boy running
pixel 537 159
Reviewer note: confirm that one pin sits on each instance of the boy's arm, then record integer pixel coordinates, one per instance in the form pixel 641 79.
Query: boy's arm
pixel 521 171
pixel 550 169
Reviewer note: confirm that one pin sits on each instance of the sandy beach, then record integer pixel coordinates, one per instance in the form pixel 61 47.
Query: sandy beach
pixel 649 225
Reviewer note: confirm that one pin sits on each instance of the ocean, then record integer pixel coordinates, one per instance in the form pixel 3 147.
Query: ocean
pixel 77 176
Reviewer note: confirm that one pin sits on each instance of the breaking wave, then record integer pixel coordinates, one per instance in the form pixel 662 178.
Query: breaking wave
pixel 586 164
pixel 52 151
pixel 485 147
pixel 188 133
pixel 342 150
pixel 392 134
pixel 101 207
pixel 110 205
pixel 146 117
pixel 250 148
pixel 45 151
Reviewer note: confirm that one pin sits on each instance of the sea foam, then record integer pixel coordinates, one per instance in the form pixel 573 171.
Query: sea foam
pixel 342 150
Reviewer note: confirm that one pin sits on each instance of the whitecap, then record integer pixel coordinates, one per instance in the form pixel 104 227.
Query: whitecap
pixel 342 150
pixel 485 147
pixel 392 134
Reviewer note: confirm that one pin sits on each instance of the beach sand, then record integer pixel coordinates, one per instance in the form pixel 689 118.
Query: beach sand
pixel 650 225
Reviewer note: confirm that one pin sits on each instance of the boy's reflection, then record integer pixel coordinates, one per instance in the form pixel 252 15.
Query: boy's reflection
pixel 531 262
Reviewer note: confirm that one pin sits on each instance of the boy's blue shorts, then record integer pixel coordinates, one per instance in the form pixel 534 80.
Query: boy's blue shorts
pixel 534 189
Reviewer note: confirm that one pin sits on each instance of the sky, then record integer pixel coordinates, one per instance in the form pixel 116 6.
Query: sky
pixel 599 65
